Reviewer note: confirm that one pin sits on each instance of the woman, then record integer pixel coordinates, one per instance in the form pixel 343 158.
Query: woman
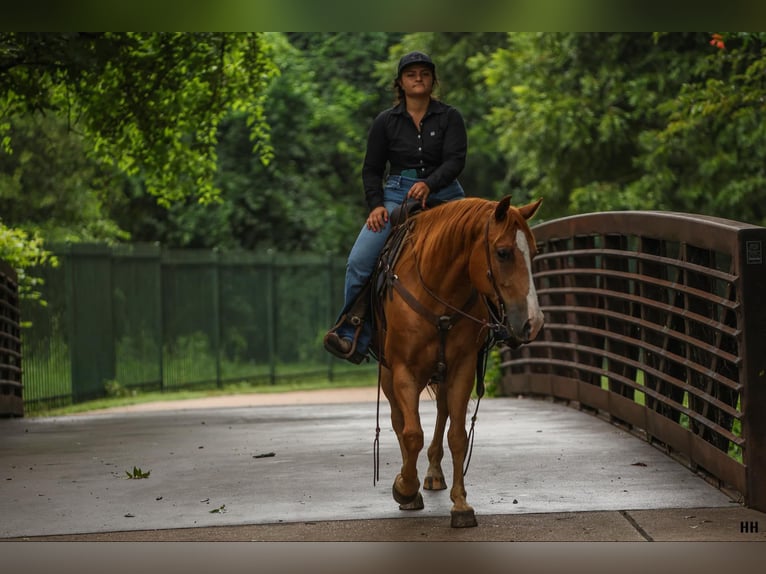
pixel 422 142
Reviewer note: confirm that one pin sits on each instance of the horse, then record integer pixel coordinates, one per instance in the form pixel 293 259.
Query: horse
pixel 461 282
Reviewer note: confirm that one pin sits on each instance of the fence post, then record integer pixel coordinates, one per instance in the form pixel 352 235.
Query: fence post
pixel 752 267
pixel 67 260
pixel 160 306
pixel 218 328
pixel 271 324
pixel 330 305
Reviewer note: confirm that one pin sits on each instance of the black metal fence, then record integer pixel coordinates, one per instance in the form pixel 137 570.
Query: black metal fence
pixel 656 320
pixel 140 316
pixel 11 402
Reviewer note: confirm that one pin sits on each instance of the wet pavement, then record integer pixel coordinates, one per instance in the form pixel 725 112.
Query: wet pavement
pixel 540 471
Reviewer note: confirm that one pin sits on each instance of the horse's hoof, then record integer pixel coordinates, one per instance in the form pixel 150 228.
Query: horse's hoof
pixel 402 499
pixel 463 519
pixel 434 483
pixel 416 504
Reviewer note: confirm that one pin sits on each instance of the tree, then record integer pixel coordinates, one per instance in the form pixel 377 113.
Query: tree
pixel 50 185
pixel 709 155
pixel 144 104
pixel 309 196
pixel 149 103
pixel 633 121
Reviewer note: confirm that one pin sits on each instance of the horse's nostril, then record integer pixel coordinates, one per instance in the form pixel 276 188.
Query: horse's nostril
pixel 526 332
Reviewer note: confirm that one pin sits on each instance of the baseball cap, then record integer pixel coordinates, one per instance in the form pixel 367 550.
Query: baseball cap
pixel 415 58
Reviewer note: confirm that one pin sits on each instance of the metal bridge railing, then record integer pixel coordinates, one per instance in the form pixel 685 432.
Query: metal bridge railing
pixel 11 403
pixel 655 320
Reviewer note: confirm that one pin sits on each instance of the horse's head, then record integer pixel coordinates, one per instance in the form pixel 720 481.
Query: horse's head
pixel 501 267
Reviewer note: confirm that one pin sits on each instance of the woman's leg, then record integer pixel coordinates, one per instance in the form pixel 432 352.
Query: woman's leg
pixel 359 267
pixel 364 256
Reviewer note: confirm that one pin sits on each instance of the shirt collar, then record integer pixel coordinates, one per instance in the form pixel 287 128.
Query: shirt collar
pixel 434 106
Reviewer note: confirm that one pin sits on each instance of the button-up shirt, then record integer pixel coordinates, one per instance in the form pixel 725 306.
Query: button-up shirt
pixel 437 150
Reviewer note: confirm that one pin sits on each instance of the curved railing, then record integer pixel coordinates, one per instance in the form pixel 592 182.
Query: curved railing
pixel 655 320
pixel 11 402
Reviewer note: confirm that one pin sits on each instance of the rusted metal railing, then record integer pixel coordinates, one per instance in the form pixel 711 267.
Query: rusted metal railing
pixel 11 402
pixel 656 321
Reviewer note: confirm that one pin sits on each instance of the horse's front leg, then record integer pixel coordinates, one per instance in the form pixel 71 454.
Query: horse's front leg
pixel 403 396
pixel 459 394
pixel 434 479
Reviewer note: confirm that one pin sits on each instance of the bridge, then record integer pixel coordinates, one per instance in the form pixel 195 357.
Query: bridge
pixel 634 417
pixel 656 321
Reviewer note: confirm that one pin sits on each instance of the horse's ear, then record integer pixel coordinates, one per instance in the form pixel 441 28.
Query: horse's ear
pixel 529 210
pixel 501 211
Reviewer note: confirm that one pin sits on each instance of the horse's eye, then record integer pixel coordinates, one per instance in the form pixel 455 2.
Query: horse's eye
pixel 505 254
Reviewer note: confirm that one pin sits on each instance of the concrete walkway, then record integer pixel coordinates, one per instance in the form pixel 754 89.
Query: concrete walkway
pixel 299 467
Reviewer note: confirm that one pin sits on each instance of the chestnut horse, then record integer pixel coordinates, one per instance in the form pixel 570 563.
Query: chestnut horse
pixel 462 281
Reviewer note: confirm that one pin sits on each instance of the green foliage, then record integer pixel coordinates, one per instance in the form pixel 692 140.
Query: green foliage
pixel 256 140
pixel 117 389
pixel 309 196
pixel 493 376
pixel 23 250
pixel 709 155
pixel 137 473
pixel 49 184
pixel 80 111
pixel 633 121
pixel 149 103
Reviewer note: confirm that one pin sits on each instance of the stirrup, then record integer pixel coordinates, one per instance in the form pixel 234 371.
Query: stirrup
pixel 352 355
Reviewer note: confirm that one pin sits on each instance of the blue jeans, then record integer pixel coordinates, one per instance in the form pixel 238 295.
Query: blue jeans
pixel 364 254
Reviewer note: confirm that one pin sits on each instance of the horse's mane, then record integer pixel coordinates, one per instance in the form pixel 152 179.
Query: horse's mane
pixel 450 228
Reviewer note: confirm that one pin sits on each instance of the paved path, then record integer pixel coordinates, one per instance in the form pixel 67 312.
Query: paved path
pixel 298 466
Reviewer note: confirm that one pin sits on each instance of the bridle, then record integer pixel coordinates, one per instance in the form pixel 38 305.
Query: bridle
pixel 496 324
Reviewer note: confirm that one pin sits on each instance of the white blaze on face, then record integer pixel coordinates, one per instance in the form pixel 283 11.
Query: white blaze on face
pixel 534 314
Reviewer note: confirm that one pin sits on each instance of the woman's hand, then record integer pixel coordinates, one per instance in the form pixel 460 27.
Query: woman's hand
pixel 377 218
pixel 419 191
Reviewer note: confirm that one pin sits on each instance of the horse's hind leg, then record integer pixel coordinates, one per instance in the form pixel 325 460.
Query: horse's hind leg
pixel 434 479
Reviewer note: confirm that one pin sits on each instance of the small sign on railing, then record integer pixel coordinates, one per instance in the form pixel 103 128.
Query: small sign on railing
pixel 754 250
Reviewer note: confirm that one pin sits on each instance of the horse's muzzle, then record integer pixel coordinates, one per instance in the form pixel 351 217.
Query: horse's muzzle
pixel 527 333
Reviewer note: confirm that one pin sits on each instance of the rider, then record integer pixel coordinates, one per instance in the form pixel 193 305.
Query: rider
pixel 423 143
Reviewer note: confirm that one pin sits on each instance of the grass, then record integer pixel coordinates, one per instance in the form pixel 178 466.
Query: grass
pixel 363 380
pixel 735 451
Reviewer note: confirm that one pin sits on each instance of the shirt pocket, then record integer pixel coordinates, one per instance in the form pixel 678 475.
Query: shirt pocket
pixel 433 133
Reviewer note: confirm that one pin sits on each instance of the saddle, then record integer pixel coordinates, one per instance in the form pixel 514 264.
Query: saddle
pixel 367 300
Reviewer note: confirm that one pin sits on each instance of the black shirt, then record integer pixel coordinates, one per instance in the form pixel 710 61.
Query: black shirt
pixel 437 151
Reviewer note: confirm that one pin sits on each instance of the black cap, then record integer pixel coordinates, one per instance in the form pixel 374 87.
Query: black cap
pixel 415 58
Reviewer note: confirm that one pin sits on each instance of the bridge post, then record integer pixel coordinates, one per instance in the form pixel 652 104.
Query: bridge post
pixel 752 250
pixel 11 401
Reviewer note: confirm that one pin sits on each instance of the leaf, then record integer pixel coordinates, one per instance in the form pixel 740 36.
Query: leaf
pixel 138 473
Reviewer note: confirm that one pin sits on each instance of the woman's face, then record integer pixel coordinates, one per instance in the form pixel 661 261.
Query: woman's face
pixel 417 80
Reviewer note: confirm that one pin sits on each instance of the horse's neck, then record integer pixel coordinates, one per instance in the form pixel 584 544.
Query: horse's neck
pixel 448 278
